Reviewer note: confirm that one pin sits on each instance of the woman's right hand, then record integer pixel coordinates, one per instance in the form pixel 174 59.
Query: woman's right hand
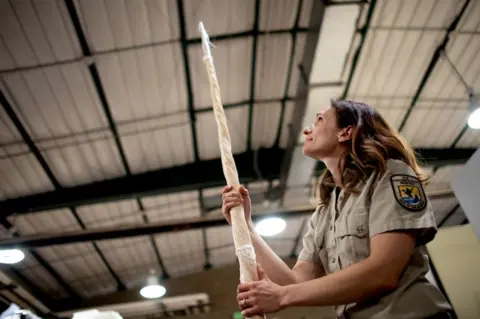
pixel 232 198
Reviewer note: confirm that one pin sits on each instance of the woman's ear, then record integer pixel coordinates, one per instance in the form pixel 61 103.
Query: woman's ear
pixel 345 134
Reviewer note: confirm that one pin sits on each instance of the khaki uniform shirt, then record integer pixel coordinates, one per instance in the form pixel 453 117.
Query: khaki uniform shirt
pixel 339 235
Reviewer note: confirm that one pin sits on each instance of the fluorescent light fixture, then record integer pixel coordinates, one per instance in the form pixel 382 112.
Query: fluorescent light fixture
pixel 153 289
pixel 474 108
pixel 270 226
pixel 11 256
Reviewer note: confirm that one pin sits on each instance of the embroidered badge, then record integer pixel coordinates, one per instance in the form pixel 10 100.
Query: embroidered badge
pixel 408 192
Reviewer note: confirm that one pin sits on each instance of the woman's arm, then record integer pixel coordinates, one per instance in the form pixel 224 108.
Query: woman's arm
pixel 377 274
pixel 277 270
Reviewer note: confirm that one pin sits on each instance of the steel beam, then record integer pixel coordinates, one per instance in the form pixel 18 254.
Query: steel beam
pixel 107 233
pixel 202 174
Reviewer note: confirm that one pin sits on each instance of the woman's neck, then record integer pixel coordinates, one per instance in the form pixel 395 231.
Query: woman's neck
pixel 332 164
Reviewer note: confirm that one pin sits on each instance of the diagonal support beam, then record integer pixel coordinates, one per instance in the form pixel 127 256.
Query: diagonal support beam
pixel 186 66
pixel 289 74
pixel 253 71
pixel 433 63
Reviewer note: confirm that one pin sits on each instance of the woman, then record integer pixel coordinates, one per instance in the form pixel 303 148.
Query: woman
pixel 364 251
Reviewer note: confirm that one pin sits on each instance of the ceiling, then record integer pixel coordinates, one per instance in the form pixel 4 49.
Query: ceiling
pixel 107 128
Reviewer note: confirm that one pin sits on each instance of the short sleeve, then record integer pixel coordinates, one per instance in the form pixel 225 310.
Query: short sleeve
pixel 399 203
pixel 309 251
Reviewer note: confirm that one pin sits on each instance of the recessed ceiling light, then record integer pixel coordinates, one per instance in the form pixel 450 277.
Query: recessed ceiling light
pixel 153 291
pixel 270 226
pixel 474 119
pixel 11 256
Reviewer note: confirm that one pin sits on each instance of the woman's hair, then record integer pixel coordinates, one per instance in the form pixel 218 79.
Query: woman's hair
pixel 373 143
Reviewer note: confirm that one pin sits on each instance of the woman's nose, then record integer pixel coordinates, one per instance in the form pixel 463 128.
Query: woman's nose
pixel 307 130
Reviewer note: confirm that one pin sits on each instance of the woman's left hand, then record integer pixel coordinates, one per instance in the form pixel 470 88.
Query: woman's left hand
pixel 259 297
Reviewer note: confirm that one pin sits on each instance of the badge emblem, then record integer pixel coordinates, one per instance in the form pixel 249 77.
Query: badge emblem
pixel 409 192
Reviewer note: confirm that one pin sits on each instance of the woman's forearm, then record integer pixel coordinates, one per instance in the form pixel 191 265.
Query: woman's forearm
pixel 277 270
pixel 353 284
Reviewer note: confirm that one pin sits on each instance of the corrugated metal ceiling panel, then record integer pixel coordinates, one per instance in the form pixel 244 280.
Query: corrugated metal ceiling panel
pixel 219 16
pixel 408 51
pixel 21 175
pixel 443 176
pixel 62 113
pixel 182 252
pixel 335 42
pixel 232 60
pixel 416 13
pixel 35 32
pixel 118 24
pixel 273 53
pixel 175 206
pixel 81 267
pixel 40 277
pixel 471 138
pixel 297 60
pixel 433 126
pixel 144 82
pixel 221 246
pixel 287 121
pixel 306 13
pixel 443 206
pixel 277 14
pixel 110 214
pixel 298 196
pixel 469 21
pixel 45 222
pixel 131 258
pixel 237 119
pixel 265 124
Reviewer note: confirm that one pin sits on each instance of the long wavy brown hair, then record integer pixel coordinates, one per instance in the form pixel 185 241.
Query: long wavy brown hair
pixel 373 143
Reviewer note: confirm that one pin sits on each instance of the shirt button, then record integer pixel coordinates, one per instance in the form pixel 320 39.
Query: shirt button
pixel 340 198
pixel 330 228
pixel 333 260
pixel 360 229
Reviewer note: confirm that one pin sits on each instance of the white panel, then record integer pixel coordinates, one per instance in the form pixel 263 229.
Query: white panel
pixel 110 24
pixel 273 54
pixel 301 168
pixel 237 121
pixel 110 214
pixel 47 222
pixel 36 33
pixel 232 60
pixel 182 252
pixel 335 38
pixel 265 124
pixel 287 121
pixel 174 206
pixel 219 16
pixel 301 41
pixel 135 82
pixel 277 14
pixel 131 258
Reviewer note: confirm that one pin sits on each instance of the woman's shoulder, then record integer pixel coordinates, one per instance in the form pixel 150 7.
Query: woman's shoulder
pixel 396 166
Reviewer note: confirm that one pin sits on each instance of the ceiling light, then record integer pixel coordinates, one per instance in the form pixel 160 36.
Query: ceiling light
pixel 153 289
pixel 474 108
pixel 270 226
pixel 11 256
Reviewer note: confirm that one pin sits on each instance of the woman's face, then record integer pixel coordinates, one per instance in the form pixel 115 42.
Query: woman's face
pixel 322 138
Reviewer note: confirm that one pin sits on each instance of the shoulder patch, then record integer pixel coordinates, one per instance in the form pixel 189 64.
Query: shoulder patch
pixel 408 192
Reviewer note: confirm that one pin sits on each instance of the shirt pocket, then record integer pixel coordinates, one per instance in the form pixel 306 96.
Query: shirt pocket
pixel 352 237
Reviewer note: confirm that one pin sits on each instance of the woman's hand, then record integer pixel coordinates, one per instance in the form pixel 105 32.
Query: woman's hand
pixel 232 198
pixel 260 297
